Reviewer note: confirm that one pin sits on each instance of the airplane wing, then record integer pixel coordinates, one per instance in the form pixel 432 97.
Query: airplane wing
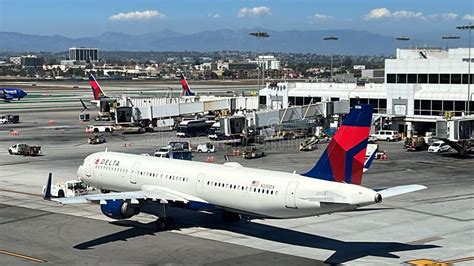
pixel 131 195
pixel 162 194
pixel 395 191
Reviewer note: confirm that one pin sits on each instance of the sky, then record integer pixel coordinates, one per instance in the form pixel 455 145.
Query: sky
pixel 424 19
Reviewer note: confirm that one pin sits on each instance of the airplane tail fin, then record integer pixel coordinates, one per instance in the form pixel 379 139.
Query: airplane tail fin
pixel 47 189
pixel 96 89
pixel 344 158
pixel 186 89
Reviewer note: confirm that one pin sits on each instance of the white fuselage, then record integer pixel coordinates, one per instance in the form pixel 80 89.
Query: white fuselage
pixel 230 186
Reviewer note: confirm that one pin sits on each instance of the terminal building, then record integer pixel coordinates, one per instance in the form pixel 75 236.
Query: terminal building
pixel 421 86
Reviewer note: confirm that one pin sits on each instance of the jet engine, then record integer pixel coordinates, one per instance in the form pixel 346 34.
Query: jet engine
pixel 119 209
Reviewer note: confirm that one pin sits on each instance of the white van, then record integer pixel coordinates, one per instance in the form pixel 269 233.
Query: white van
pixel 388 135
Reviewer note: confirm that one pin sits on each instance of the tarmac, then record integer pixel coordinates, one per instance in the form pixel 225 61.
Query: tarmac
pixel 436 224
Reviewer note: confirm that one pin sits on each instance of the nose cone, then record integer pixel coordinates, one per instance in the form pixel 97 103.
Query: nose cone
pixel 24 94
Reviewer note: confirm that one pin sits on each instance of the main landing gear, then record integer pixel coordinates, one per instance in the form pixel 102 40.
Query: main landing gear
pixel 230 217
pixel 164 223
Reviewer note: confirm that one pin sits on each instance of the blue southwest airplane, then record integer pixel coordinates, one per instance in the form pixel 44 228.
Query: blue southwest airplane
pixel 8 94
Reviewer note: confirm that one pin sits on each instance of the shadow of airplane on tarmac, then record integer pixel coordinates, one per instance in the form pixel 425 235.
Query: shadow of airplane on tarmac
pixel 344 251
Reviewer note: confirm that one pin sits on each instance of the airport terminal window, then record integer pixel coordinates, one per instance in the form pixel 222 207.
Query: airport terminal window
pixel 374 102
pixel 316 99
pixel 412 78
pixel 433 78
pixel 262 99
pixel 448 106
pixel 459 106
pixel 465 78
pixel 455 78
pixel 444 78
pixel 425 107
pixel 401 78
pixel 307 100
pixel 437 107
pixel 383 103
pixel 422 78
pixel 391 78
pixel 299 101
pixel 291 101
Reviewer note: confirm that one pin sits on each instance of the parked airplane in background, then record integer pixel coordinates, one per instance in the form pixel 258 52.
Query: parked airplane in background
pixel 186 89
pixel 147 184
pixel 96 89
pixel 8 94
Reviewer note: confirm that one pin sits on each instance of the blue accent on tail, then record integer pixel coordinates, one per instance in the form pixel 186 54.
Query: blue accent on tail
pixel 369 160
pixel 91 77
pixel 350 159
pixel 322 169
pixel 360 115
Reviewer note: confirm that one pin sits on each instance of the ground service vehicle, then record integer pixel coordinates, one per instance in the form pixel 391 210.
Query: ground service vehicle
pixel 439 146
pixel 415 144
pixel 9 119
pixel 168 152
pixel 24 149
pixel 96 140
pixel 388 135
pixel 68 189
pixel 99 128
pixel 309 144
pixel 253 153
pixel 192 128
pixel 208 147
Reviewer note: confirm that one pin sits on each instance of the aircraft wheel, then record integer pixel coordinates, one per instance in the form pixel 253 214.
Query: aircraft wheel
pixel 160 225
pixel 169 222
pixel 60 194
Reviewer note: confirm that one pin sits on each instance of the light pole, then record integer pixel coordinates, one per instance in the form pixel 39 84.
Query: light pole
pixel 402 39
pixel 449 37
pixel 260 35
pixel 469 28
pixel 331 38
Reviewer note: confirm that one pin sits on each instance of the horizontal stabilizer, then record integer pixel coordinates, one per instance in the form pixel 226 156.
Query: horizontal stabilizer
pixel 327 199
pixel 394 191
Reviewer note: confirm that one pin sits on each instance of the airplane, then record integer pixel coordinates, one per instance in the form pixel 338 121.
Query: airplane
pixel 8 94
pixel 96 89
pixel 186 89
pixel 131 184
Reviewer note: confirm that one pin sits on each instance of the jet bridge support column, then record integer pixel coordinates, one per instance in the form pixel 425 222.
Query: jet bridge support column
pixel 409 129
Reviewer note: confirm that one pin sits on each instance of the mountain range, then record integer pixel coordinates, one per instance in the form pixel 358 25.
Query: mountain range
pixel 351 42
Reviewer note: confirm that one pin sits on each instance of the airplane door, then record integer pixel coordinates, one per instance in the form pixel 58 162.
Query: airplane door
pixel 200 183
pixel 290 195
pixel 134 172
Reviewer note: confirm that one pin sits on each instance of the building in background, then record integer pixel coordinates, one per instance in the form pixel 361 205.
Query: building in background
pixel 421 86
pixel 84 55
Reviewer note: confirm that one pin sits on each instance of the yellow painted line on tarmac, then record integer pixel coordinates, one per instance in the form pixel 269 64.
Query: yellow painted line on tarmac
pixel 22 256
pixel 428 262
pixel 459 260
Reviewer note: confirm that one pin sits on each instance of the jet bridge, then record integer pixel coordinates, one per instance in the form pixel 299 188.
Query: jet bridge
pixel 457 132
pixel 268 118
pixel 149 109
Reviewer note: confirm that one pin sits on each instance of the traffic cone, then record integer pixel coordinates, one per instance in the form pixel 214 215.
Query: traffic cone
pixel 210 159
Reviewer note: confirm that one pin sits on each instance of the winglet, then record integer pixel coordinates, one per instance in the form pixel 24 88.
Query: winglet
pixel 47 190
